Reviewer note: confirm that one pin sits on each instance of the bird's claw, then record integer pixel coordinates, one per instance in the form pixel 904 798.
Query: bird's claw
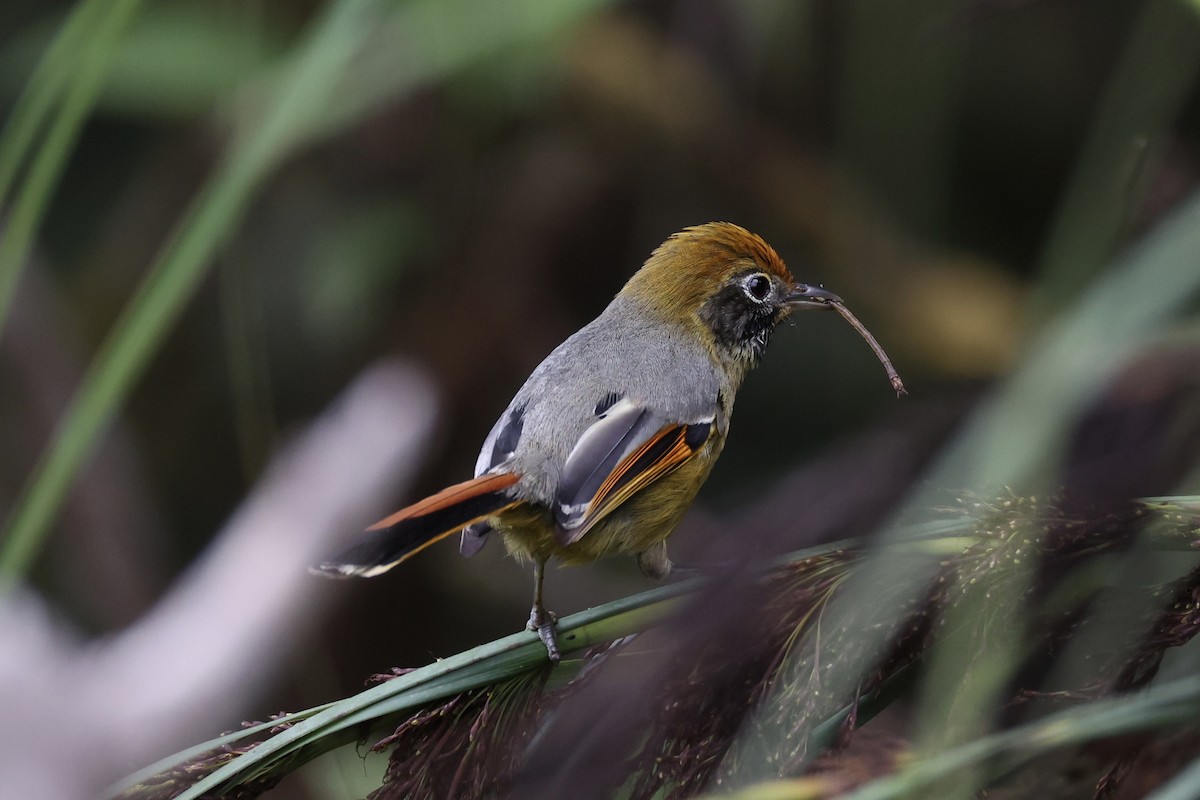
pixel 544 623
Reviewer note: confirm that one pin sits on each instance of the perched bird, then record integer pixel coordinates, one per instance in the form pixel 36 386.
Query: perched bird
pixel 605 446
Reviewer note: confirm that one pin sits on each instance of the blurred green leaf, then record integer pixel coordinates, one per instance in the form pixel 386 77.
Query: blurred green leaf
pixel 46 122
pixel 206 225
pixel 1169 704
pixel 175 60
pixel 1153 79
pixel 182 58
pixel 351 269
pixel 1016 438
pixel 357 55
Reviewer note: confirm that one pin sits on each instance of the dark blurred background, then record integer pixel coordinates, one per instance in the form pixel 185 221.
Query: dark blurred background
pixel 914 157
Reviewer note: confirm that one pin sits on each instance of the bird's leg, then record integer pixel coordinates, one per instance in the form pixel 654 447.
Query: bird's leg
pixel 653 561
pixel 540 619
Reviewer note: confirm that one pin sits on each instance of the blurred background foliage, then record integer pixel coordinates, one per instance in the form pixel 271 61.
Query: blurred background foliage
pixel 466 183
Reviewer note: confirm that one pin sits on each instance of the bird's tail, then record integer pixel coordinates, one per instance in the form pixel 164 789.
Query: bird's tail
pixel 410 530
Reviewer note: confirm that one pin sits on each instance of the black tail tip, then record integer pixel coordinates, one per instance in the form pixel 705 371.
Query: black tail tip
pixel 327 569
pixel 338 570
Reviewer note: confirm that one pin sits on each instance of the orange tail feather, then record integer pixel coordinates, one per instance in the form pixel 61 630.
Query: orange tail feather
pixel 413 528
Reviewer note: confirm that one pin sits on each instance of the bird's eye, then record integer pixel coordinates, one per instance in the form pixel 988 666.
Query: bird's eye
pixel 758 287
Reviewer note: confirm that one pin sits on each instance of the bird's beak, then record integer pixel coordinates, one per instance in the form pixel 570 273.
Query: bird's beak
pixel 804 295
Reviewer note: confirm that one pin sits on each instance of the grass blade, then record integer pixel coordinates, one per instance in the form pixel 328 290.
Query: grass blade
pixel 172 279
pixel 1168 704
pixel 321 729
pixel 80 53
pixel 195 751
pixel 304 101
pixel 1130 124
pixel 473 668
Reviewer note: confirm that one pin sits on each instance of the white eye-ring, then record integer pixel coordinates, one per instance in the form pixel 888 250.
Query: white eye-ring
pixel 757 287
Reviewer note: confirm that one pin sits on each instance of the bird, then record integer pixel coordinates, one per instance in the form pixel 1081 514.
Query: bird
pixel 605 446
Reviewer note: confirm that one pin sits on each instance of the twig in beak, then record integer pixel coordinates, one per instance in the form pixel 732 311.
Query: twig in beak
pixel 893 376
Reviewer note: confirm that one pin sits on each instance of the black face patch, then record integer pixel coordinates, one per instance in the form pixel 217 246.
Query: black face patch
pixel 738 323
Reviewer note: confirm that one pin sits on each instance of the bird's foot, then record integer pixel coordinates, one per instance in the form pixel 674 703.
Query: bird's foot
pixel 544 623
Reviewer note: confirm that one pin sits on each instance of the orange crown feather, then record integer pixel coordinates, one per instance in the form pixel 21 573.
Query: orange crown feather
pixel 688 267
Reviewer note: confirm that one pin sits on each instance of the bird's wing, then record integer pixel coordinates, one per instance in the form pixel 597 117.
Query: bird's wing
pixel 498 448
pixel 626 449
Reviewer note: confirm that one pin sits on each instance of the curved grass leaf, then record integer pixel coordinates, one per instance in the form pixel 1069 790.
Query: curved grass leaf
pixel 342 722
pixel 198 750
pixel 321 729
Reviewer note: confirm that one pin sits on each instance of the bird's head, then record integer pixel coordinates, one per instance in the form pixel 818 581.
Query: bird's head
pixel 724 284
